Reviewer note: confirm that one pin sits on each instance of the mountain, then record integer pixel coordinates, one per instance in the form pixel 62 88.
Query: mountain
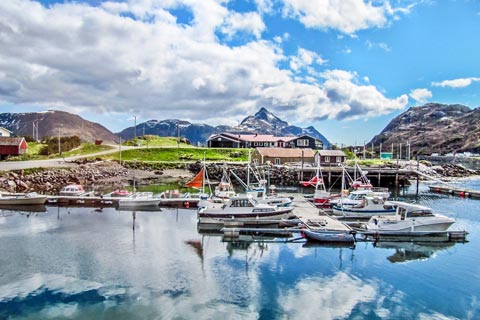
pixel 49 123
pixel 263 122
pixel 170 128
pixel 434 128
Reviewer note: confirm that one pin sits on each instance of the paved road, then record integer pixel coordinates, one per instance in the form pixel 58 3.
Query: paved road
pixel 58 162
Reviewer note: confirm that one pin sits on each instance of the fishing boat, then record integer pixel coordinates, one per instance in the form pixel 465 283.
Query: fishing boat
pixel 321 197
pixel 242 208
pixel 138 200
pixel 409 217
pixel 22 199
pixel 368 207
pixel 72 190
pixel 356 197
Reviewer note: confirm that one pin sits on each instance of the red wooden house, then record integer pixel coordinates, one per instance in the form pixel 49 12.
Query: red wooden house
pixel 12 146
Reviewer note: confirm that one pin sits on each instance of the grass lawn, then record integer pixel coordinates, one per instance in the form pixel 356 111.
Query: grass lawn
pixel 181 154
pixel 156 141
pixel 34 149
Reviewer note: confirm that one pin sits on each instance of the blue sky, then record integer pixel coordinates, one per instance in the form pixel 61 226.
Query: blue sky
pixel 346 67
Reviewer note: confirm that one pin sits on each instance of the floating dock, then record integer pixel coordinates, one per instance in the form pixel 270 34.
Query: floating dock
pixel 466 193
pixel 82 201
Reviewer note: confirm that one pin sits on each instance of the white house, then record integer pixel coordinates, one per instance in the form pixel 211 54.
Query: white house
pixel 5 132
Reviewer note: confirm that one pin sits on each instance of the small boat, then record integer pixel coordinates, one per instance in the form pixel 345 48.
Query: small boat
pixel 410 217
pixel 356 197
pixel 138 200
pixel 120 193
pixel 243 208
pixel 368 207
pixel 330 235
pixel 72 190
pixel 31 198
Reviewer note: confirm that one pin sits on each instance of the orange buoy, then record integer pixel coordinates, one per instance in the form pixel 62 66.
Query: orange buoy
pixel 186 204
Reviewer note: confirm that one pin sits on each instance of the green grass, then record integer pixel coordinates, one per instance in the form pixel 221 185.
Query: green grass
pixel 85 148
pixel 181 154
pixel 34 149
pixel 156 141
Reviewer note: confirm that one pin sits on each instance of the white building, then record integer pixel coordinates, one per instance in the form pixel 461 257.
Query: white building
pixel 5 132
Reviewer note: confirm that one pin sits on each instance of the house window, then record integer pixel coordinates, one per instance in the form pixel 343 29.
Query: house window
pixel 302 142
pixel 327 158
pixel 277 161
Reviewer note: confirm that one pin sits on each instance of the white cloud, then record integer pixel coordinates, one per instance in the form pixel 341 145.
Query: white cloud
pixel 243 22
pixel 421 95
pixel 77 56
pixel 305 58
pixel 381 45
pixel 333 297
pixel 456 83
pixel 346 16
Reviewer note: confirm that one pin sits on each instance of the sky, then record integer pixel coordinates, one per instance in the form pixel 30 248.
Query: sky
pixel 346 67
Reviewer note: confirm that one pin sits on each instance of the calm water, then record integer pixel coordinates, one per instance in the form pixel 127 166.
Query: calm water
pixel 81 264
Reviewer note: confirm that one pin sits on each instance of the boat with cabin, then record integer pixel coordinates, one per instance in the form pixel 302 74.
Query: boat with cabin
pixel 242 208
pixel 72 190
pixel 409 217
pixel 368 207
pixel 138 200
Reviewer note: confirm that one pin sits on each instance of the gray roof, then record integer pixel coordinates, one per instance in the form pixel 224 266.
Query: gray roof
pixel 332 153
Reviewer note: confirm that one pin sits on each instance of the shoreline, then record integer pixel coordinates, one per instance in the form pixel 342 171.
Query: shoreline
pixel 110 175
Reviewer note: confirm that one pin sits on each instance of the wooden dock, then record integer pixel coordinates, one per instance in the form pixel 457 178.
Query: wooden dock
pixel 314 218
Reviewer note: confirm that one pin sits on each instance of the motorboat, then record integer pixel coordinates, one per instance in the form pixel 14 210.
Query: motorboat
pixel 368 207
pixel 119 193
pixel 138 200
pixel 72 190
pixel 330 236
pixel 409 217
pixel 242 208
pixel 31 198
pixel 356 197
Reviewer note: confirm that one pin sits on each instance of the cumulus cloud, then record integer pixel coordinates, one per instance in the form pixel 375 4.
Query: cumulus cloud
pixel 456 83
pixel 134 57
pixel 243 22
pixel 420 95
pixel 346 16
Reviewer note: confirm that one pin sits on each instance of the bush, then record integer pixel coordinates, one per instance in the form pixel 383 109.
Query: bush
pixel 66 144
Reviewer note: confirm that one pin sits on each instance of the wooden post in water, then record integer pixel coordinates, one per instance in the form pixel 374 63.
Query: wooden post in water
pixel 378 183
pixel 134 215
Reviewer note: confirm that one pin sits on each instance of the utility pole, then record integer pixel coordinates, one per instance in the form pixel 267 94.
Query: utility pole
pixel 120 150
pixel 59 144
pixel 135 129
pixel 364 149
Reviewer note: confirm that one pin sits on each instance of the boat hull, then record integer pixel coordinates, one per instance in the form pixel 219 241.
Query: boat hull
pixel 22 200
pixel 329 236
pixel 211 215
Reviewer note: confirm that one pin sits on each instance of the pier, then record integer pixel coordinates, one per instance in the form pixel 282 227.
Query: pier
pixel 461 192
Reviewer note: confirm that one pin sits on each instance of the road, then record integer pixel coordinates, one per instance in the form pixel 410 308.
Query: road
pixel 58 162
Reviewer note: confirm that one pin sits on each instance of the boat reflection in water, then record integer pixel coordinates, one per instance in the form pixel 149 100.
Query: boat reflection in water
pixel 24 209
pixel 411 251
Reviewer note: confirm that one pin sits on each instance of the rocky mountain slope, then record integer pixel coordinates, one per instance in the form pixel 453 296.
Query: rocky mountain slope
pixel 263 122
pixel 434 128
pixel 49 123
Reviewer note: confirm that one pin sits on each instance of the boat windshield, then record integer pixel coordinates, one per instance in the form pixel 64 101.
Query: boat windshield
pixel 419 213
pixel 241 203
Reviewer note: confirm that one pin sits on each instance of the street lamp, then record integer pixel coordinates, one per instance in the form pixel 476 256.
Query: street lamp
pixel 59 143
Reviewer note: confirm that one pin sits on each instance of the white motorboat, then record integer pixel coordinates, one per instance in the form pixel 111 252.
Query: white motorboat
pixel 368 207
pixel 242 208
pixel 356 197
pixel 330 235
pixel 138 200
pixel 72 190
pixel 409 218
pixel 31 198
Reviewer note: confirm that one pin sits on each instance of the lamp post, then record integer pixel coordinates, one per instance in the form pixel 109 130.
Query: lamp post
pixel 135 128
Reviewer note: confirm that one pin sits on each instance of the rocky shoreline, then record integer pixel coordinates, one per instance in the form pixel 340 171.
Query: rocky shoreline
pixel 109 175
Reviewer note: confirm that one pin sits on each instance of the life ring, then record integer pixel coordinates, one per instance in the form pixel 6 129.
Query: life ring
pixel 186 204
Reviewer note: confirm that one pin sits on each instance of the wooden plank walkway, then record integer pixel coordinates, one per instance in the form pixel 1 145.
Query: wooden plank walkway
pixel 312 217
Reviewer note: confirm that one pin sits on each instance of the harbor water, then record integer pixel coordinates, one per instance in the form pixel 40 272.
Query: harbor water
pixel 82 263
